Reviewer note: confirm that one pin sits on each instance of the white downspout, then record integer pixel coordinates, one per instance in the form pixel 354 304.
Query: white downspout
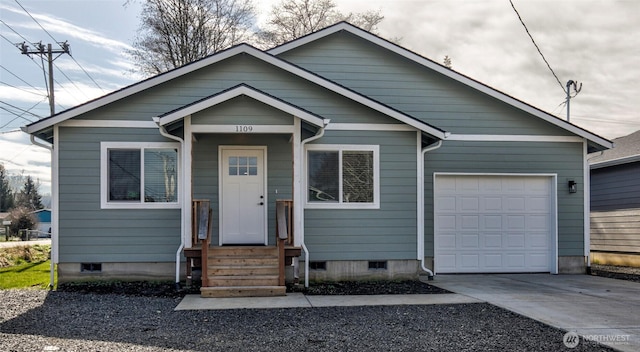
pixel 420 206
pixel 587 204
pixel 54 232
pixel 164 133
pixel 318 135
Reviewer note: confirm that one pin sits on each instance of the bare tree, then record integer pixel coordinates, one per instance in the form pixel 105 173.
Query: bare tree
pixel 176 32
pixel 291 19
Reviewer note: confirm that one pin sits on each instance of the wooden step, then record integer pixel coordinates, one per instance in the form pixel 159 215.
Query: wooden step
pixel 254 280
pixel 238 270
pixel 230 261
pixel 243 251
pixel 245 291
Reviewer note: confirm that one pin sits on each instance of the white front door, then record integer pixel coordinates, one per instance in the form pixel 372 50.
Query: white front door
pixel 243 203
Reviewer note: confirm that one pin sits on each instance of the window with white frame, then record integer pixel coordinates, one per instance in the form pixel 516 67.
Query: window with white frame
pixel 139 175
pixel 342 176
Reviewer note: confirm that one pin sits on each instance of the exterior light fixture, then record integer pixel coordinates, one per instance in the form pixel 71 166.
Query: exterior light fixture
pixel 573 186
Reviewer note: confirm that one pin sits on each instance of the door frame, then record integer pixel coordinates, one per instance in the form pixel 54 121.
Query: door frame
pixel 265 224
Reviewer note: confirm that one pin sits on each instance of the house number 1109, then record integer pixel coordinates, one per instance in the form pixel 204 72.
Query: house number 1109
pixel 244 128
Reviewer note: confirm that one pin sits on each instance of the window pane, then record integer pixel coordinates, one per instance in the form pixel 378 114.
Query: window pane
pixel 357 176
pixel 124 174
pixel 160 175
pixel 323 176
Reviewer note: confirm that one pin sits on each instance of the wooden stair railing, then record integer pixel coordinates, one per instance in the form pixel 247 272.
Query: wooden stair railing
pixel 200 232
pixel 284 232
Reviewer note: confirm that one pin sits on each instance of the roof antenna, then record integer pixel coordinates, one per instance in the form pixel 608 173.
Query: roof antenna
pixel 577 87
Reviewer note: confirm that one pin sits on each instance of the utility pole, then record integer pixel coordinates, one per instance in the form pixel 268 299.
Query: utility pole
pixel 47 52
pixel 576 87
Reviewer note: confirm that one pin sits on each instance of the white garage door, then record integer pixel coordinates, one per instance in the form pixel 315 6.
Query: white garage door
pixel 496 223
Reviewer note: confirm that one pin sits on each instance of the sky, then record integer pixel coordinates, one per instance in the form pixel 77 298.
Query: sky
pixel 593 42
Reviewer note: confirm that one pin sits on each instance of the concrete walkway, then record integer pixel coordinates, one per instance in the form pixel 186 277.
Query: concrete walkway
pixel 602 309
pixel 299 300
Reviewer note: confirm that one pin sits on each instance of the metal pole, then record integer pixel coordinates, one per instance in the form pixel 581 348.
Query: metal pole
pixel 568 97
pixel 51 90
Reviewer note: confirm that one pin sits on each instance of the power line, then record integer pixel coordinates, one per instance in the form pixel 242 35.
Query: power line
pixel 85 72
pixel 19 35
pixel 36 21
pixel 23 111
pixel 536 45
pixel 18 77
pixel 22 89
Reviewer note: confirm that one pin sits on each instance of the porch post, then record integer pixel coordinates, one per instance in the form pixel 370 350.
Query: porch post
pixel 298 213
pixel 186 183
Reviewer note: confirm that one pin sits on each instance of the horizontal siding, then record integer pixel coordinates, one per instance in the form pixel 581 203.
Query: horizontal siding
pixel 90 234
pixel 241 110
pixel 371 234
pixel 615 187
pixel 412 88
pixel 563 159
pixel 243 69
pixel 616 230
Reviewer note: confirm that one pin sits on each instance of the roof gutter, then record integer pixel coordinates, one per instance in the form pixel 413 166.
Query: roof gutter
pixel 318 135
pixel 420 205
pixel 54 231
pixel 184 207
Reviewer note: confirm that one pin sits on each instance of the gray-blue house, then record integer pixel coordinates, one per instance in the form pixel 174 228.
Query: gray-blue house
pixel 340 152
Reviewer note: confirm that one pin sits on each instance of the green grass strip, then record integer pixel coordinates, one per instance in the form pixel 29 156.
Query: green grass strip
pixel 26 276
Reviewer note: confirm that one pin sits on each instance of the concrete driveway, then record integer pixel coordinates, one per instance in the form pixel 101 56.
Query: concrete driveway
pixel 597 308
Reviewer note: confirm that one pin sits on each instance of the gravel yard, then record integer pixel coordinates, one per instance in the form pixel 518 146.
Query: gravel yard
pixel 72 321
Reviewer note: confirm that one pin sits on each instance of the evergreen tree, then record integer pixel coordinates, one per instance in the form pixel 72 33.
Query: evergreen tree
pixel 6 196
pixel 28 196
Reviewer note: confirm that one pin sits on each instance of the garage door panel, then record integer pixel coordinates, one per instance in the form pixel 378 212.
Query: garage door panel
pixel 516 241
pixel 492 224
pixel 493 240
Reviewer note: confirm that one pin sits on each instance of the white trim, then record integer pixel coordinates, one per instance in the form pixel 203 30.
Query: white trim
pixel 240 49
pixel 553 247
pixel 134 88
pixel 55 197
pixel 340 148
pixel 187 185
pixel 344 26
pixel 242 129
pixel 298 161
pixel 586 177
pixel 513 138
pixel 618 161
pixel 104 177
pixel 235 92
pixel 109 124
pixel 221 170
pixel 369 127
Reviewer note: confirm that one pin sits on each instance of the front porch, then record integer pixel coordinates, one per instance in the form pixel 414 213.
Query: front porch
pixel 241 270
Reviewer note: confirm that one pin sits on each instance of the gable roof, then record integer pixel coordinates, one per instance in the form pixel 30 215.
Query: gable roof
pixel 222 55
pixel 246 90
pixel 627 150
pixel 597 142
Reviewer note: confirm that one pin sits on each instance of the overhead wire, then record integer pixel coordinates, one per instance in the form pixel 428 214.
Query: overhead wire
pixel 536 45
pixel 18 77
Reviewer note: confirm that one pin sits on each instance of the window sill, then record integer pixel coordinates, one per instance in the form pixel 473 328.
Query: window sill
pixel 341 206
pixel 140 206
